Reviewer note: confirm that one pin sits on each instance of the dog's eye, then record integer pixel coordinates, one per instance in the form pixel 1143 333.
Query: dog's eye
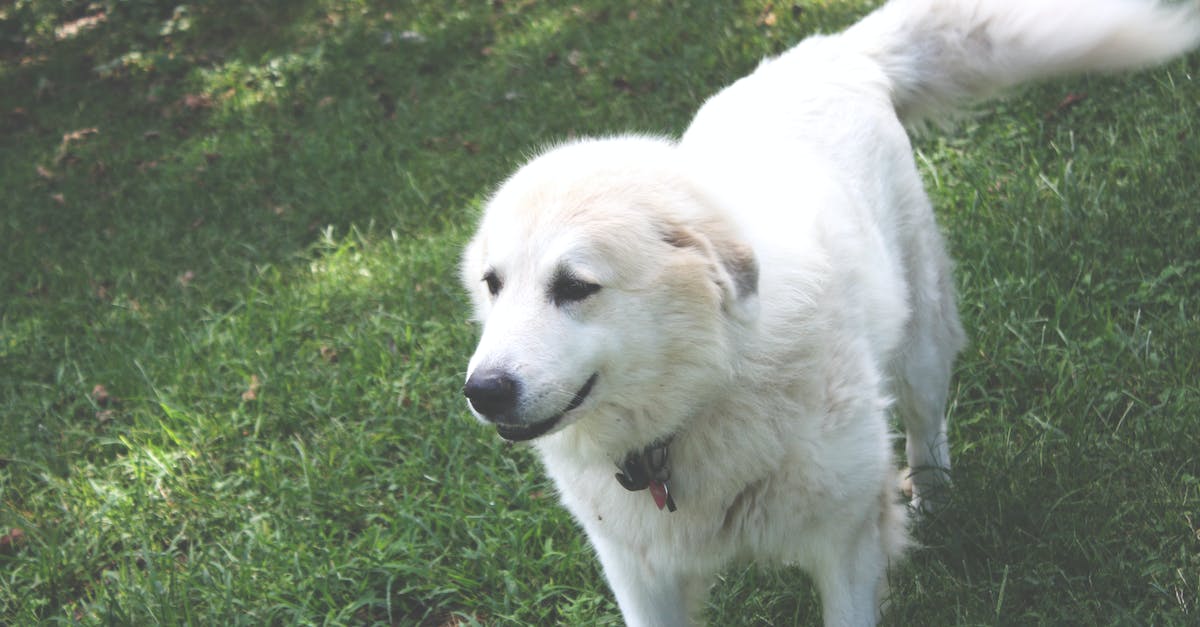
pixel 493 282
pixel 568 289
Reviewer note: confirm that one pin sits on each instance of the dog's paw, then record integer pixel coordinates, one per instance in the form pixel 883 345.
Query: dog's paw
pixel 905 483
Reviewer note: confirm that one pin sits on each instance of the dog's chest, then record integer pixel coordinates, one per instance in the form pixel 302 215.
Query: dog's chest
pixel 704 524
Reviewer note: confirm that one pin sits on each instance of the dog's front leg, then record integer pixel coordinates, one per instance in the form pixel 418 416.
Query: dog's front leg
pixel 649 594
pixel 850 577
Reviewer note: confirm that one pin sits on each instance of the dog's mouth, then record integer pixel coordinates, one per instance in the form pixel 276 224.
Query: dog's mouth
pixel 522 433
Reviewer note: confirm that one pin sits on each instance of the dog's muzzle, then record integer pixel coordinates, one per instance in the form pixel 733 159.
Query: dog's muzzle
pixel 494 395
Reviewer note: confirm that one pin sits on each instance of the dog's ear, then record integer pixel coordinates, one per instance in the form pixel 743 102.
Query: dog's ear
pixel 734 267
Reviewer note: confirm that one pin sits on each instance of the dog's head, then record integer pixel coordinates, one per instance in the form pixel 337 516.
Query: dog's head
pixel 606 284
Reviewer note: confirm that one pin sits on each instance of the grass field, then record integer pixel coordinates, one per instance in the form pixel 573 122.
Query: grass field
pixel 232 341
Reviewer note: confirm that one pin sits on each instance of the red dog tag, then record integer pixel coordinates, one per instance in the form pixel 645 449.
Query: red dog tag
pixel 662 495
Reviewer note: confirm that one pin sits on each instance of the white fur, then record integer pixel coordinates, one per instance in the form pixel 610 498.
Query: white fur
pixel 773 284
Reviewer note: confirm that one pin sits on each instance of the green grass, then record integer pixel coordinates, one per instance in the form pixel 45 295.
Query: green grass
pixel 231 337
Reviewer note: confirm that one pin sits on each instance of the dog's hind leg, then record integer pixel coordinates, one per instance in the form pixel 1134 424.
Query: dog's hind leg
pixel 922 382
pixel 921 402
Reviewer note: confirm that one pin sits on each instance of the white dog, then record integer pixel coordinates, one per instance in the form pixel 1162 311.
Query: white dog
pixel 728 319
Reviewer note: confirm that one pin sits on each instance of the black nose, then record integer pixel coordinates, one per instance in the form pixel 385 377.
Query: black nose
pixel 493 393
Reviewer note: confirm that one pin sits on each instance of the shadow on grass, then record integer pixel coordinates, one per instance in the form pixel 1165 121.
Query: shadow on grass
pixel 163 162
pixel 232 334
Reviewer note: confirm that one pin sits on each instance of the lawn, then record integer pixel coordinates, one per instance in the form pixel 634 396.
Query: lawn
pixel 232 339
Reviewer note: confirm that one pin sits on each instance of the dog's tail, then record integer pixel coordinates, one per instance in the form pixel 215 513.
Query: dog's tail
pixel 939 55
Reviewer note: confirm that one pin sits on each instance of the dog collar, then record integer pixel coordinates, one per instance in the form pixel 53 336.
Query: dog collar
pixel 647 469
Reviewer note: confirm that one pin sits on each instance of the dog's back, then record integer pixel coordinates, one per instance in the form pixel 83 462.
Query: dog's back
pixel 841 102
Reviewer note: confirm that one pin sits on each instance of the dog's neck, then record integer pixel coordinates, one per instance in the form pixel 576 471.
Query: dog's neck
pixel 649 468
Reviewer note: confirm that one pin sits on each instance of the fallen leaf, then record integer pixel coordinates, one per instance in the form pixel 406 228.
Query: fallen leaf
pixel 10 539
pixel 251 394
pixel 195 102
pixel 100 395
pixel 1068 101
pixel 44 173
pixel 59 199
pixel 74 27
pixel 186 278
pixel 82 133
